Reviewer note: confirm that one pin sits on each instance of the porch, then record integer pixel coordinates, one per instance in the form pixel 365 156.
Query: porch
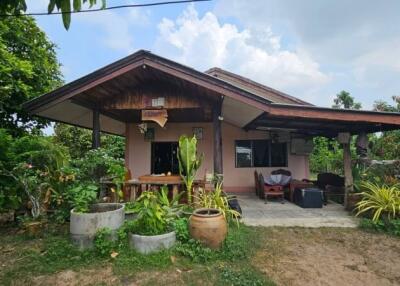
pixel 242 122
pixel 274 213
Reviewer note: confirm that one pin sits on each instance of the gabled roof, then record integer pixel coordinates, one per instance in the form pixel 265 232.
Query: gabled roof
pixel 246 104
pixel 259 89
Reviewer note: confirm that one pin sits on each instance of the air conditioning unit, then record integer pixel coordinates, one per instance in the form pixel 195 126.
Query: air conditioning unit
pixel 301 146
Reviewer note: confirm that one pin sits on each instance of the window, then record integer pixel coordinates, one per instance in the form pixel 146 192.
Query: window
pixel 260 153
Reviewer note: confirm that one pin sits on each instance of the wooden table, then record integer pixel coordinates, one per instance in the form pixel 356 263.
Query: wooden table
pixel 297 184
pixel 147 181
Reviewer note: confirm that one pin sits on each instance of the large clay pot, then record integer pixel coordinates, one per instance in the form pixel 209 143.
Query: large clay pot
pixel 209 227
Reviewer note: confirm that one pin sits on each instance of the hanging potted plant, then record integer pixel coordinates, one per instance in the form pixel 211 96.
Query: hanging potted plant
pixel 152 229
pixel 189 163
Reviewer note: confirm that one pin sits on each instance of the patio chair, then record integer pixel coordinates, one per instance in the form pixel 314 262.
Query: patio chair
pixel 281 172
pixel 332 186
pixel 275 191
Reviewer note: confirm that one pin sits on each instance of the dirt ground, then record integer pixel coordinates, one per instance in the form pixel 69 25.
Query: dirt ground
pixel 289 256
pixel 330 257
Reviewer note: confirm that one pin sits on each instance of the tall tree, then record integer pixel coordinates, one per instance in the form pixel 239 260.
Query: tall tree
pixel 28 68
pixel 79 141
pixel 346 101
pixel 387 144
pixel 65 6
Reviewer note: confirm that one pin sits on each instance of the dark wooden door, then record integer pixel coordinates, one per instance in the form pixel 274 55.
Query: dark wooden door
pixel 164 157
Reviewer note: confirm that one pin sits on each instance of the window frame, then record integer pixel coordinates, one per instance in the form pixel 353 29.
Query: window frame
pixel 269 142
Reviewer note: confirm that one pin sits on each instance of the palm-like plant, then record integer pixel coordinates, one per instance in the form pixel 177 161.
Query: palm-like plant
pixel 189 162
pixel 380 200
pixel 217 199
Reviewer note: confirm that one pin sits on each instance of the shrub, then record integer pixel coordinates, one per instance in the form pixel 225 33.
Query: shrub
pixel 103 242
pixel 244 276
pixel 155 213
pixel 97 164
pixel 380 201
pixel 385 226
pixel 82 196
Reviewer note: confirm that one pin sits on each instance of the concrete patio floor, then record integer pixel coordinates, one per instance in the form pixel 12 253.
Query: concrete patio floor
pixel 274 213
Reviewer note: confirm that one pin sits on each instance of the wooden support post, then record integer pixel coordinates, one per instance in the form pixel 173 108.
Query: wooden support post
pixel 96 129
pixel 217 138
pixel 344 139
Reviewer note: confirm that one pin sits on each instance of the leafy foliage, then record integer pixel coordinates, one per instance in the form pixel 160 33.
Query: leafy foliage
pixel 391 227
pixel 346 101
pixel 243 276
pixel 97 164
pixel 217 199
pixel 103 242
pixel 28 68
pixel 155 213
pixel 19 6
pixel 380 200
pixel 82 196
pixel 79 141
pixel 189 162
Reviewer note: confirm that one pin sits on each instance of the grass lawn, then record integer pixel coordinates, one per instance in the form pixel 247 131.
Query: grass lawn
pixel 258 256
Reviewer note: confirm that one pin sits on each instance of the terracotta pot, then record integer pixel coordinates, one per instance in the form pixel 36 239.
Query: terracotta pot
pixel 209 227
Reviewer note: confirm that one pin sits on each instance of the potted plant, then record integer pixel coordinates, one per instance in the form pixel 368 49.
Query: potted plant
pixel 130 211
pixel 189 162
pixel 87 217
pixel 208 224
pixel 152 230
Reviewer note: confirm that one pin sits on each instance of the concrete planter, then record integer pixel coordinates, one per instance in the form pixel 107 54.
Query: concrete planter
pixel 83 226
pixel 151 243
pixel 130 216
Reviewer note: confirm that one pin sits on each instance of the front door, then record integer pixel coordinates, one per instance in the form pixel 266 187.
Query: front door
pixel 164 157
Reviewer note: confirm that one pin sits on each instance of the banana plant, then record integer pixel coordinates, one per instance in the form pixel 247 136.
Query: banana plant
pixel 189 162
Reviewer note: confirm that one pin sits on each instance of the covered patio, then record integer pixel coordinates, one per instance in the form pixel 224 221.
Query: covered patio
pixel 257 213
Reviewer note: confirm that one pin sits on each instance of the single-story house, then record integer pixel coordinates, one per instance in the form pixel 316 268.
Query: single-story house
pixel 241 125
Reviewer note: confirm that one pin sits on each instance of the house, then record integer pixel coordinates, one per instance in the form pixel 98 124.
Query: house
pixel 241 125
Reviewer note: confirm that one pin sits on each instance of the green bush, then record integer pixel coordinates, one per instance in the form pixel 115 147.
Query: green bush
pixel 155 213
pixel 391 227
pixel 103 242
pixel 244 276
pixel 96 164
pixel 82 196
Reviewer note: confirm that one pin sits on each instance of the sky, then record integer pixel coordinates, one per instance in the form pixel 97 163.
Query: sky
pixel 310 49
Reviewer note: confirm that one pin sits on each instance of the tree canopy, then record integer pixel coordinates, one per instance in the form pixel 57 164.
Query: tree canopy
pixel 65 6
pixel 28 68
pixel 346 101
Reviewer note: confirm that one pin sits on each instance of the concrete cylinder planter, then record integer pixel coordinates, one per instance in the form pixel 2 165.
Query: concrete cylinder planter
pixel 83 226
pixel 151 243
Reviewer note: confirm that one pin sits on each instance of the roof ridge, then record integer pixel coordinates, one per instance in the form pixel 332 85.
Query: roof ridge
pixel 257 84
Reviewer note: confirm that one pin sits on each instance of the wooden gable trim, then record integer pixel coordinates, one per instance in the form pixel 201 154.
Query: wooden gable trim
pixel 324 114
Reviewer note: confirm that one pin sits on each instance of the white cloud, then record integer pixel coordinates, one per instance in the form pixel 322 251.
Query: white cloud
pixel 358 38
pixel 204 42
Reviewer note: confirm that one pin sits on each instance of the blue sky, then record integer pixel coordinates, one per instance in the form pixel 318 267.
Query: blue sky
pixel 310 49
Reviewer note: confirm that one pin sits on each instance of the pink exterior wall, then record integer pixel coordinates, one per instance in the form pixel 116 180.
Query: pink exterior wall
pixel 138 153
